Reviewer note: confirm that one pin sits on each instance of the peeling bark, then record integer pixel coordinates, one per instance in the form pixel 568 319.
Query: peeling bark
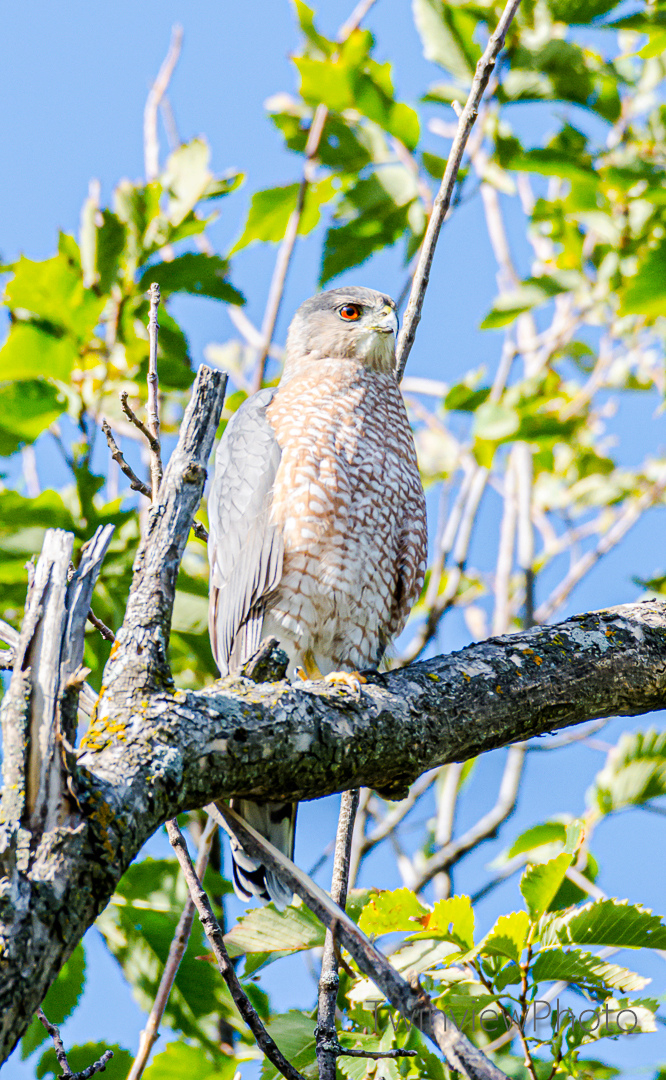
pixel 153 751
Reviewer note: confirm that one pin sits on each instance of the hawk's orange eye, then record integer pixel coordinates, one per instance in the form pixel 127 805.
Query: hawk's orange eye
pixel 350 312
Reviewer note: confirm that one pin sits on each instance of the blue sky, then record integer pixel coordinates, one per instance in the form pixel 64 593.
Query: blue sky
pixel 74 82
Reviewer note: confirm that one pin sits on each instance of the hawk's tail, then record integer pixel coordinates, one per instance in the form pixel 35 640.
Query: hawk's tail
pixel 277 822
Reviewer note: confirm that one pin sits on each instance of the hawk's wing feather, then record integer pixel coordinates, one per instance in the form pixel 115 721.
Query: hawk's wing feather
pixel 245 550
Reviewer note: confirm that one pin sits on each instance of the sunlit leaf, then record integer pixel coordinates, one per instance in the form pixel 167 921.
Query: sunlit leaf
pixel 388 911
pixel 540 883
pixel 585 970
pixel 606 922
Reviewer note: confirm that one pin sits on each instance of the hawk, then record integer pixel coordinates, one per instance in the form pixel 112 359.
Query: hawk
pixel 317 520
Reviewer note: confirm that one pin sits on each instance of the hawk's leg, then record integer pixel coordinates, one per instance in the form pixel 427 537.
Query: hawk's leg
pixel 310 670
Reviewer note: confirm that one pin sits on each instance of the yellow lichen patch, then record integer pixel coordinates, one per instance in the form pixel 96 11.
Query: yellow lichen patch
pixel 431 675
pixel 499 690
pixel 538 660
pixel 102 732
pixel 466 676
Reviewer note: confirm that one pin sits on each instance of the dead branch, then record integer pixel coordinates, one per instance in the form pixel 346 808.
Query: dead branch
pixel 116 454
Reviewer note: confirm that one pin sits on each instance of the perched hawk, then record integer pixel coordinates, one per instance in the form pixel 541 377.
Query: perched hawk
pixel 317 519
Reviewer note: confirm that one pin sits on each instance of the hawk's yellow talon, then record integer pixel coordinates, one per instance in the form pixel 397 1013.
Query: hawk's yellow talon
pixel 351 679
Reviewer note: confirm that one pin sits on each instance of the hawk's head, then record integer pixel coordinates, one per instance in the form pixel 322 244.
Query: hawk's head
pixel 345 322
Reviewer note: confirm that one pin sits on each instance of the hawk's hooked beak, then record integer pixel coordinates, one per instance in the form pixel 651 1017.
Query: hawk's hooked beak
pixel 387 321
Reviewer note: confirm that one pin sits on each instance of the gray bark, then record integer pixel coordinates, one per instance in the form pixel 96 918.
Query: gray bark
pixel 153 751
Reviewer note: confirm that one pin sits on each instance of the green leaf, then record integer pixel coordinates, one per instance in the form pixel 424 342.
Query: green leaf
pixel 584 970
pixel 111 236
pixel 138 926
pixel 80 1057
pixel 388 911
pixel 53 290
pixel 634 773
pixel 507 937
pixel 606 922
pixel 294 1034
pixel 186 177
pixel 26 409
pixel 464 398
pixel 550 832
pixel 265 930
pixel 31 352
pixel 540 883
pixel 305 17
pixel 446 33
pixel 645 293
pixel 579 12
pixel 450 920
pixel 270 211
pixel 196 273
pixel 376 215
pixel 533 292
pixel 61 1000
pixel 179 1060
pixel 494 421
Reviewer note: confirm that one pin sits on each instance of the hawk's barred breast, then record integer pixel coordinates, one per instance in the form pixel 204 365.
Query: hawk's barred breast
pixel 349 502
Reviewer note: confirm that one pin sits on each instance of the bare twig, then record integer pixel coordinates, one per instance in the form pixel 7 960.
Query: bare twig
pixel 151 146
pixel 84 1074
pixel 177 948
pixel 153 408
pixel 328 1047
pixel 276 290
pixel 410 1000
pixel 443 198
pixel 213 932
pixel 116 454
pixel 200 531
pixel 104 630
pixel 139 424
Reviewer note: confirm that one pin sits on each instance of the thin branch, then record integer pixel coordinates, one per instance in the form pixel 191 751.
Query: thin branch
pixel 116 454
pixel 327 1045
pixel 286 250
pixel 153 443
pixel 84 1074
pixel 443 198
pixel 153 407
pixel 213 932
pixel 151 146
pixel 410 1000
pixel 200 531
pixel 104 630
pixel 177 948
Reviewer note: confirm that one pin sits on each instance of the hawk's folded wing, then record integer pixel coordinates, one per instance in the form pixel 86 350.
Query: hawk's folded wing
pixel 245 550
